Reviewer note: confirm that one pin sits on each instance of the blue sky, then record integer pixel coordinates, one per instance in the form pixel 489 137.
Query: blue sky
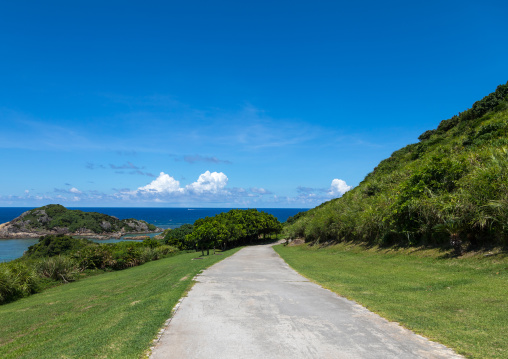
pixel 229 103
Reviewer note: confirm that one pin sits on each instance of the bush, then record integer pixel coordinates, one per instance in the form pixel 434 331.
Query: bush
pixel 426 135
pixel 150 242
pixel 16 280
pixel 176 237
pixel 165 251
pixel 95 257
pixel 59 268
pixel 53 245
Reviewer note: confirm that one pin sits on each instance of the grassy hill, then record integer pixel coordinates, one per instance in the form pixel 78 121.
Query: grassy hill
pixel 450 189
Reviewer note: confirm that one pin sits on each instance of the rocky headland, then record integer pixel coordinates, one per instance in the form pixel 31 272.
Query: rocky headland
pixel 56 219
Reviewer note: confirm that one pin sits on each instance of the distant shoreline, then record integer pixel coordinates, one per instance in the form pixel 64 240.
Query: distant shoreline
pixel 117 235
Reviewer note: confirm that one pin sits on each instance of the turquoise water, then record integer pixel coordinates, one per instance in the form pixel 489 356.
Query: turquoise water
pixel 161 217
pixel 14 248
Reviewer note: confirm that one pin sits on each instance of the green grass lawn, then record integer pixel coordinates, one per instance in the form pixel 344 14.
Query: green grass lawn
pixel 113 315
pixel 460 302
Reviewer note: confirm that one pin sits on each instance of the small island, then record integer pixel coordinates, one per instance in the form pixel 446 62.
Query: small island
pixel 56 219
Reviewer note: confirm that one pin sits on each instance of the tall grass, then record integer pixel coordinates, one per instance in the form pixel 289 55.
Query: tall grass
pixel 16 280
pixel 448 190
pixel 58 268
pixel 421 189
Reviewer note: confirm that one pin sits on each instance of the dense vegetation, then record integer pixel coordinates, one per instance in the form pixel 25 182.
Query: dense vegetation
pixel 450 189
pixel 176 237
pixel 54 245
pixel 57 218
pixel 61 259
pixel 225 230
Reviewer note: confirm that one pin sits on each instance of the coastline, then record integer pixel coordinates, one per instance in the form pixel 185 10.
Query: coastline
pixel 87 235
pixel 5 234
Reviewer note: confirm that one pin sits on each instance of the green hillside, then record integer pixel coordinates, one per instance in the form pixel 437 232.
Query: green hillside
pixel 450 189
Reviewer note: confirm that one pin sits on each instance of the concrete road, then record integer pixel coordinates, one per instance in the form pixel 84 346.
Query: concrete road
pixel 253 305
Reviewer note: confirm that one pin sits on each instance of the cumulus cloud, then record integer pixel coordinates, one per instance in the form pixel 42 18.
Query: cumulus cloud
pixel 209 187
pixel 338 188
pixel 208 182
pixel 164 184
pixel 166 187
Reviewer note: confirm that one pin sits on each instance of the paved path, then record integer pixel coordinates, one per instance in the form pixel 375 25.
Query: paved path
pixel 253 305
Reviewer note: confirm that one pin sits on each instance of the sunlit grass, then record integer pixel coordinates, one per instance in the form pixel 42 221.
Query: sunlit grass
pixel 460 302
pixel 113 315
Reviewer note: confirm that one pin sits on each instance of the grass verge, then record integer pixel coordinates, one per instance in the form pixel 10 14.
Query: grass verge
pixel 460 302
pixel 114 315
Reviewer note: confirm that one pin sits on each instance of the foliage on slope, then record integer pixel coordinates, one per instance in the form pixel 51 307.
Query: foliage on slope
pixel 55 218
pixel 62 258
pixel 450 188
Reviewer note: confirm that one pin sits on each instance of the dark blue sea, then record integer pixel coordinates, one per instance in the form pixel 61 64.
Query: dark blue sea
pixel 161 217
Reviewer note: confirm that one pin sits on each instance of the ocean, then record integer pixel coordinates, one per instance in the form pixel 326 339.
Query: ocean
pixel 161 217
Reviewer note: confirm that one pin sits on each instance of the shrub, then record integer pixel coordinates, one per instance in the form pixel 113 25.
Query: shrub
pixel 53 245
pixel 176 237
pixel 426 135
pixel 165 251
pixel 150 242
pixel 59 268
pixel 147 254
pixel 16 280
pixel 95 257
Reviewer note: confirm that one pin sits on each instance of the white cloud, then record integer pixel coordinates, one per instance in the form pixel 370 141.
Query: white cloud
pixel 210 187
pixel 165 188
pixel 208 183
pixel 164 184
pixel 338 188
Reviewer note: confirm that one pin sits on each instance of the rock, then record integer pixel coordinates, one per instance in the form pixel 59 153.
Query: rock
pixel 106 225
